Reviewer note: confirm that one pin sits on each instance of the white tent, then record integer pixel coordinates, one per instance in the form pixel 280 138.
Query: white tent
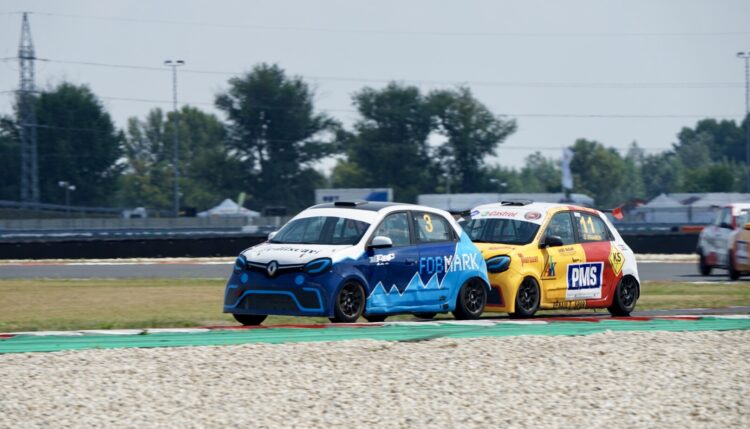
pixel 228 208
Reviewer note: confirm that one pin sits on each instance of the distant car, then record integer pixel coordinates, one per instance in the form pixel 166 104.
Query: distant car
pixel 553 256
pixel 349 259
pixel 739 253
pixel 715 240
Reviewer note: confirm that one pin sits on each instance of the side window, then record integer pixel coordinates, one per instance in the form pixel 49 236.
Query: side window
pixel 591 227
pixel 348 231
pixel 724 217
pixel 396 227
pixel 562 226
pixel 432 228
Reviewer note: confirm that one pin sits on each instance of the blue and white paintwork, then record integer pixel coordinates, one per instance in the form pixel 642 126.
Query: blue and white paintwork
pixel 415 278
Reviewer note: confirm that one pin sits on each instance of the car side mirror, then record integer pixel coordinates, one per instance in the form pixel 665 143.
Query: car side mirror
pixel 551 241
pixel 725 225
pixel 271 235
pixel 380 242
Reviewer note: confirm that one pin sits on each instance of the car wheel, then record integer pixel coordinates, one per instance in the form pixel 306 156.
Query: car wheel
pixel 349 304
pixel 425 315
pixel 626 295
pixel 250 319
pixel 733 273
pixel 528 297
pixel 375 317
pixel 703 268
pixel 472 297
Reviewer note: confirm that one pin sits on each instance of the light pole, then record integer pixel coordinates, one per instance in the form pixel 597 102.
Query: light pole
pixel 746 56
pixel 68 189
pixel 176 150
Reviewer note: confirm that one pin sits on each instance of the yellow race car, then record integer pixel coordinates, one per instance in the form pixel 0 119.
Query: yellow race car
pixel 739 253
pixel 553 256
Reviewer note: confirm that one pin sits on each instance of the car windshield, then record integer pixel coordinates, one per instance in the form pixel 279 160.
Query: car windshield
pixel 507 231
pixel 321 230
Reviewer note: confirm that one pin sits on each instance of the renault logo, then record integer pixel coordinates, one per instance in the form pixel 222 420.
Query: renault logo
pixel 271 268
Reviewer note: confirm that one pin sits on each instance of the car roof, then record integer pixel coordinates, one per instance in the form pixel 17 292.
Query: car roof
pixel 374 206
pixel 532 206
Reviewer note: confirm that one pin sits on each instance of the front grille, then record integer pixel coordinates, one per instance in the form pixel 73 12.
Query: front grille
pixel 269 302
pixel 281 301
pixel 263 268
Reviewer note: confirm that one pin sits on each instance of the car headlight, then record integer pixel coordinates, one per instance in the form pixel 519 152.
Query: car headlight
pixel 239 264
pixel 317 266
pixel 498 264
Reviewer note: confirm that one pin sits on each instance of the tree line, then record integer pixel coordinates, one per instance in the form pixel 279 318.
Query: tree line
pixel 272 139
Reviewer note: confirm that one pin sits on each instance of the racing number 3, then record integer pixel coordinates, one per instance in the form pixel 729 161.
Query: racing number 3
pixel 428 222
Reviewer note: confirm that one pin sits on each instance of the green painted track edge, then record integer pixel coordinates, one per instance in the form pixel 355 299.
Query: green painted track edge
pixel 404 333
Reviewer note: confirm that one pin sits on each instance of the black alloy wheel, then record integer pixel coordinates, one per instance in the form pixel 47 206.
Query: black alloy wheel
pixel 626 295
pixel 250 319
pixel 471 300
pixel 528 297
pixel 350 303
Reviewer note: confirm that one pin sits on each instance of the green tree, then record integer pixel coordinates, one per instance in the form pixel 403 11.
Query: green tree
pixel 472 131
pixel 208 173
pixel 388 147
pixel 540 174
pixel 714 177
pixel 10 159
pixel 599 172
pixel 78 143
pixel 277 135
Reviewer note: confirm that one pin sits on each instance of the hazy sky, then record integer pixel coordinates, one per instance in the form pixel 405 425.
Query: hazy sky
pixel 613 71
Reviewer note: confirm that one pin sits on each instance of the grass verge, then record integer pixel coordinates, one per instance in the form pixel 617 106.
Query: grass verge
pixel 30 305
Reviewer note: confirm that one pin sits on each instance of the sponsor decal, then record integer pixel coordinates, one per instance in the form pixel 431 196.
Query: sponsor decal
pixel 564 250
pixel 532 216
pixel 616 260
pixel 474 213
pixel 500 213
pixel 301 250
pixel 569 305
pixel 549 268
pixel 528 259
pixel 382 259
pixel 584 280
pixel 442 264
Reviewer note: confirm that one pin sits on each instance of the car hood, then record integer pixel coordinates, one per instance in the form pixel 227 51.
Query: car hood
pixel 290 254
pixel 495 249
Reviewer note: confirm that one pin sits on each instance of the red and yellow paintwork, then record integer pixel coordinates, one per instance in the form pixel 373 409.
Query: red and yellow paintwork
pixel 548 266
pixel 740 263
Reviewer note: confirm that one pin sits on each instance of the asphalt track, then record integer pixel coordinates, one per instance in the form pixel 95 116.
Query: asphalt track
pixel 649 271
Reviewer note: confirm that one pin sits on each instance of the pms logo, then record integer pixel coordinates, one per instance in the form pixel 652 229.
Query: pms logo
pixel 585 276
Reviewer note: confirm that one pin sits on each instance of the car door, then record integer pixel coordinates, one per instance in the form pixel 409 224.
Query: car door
pixel 720 242
pixel 597 275
pixel 437 247
pixel 554 282
pixel 392 268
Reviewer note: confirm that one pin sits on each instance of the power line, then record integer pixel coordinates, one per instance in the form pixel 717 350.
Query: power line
pixel 397 32
pixel 518 84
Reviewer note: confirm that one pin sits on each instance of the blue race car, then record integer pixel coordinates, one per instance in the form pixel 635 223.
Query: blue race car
pixel 344 260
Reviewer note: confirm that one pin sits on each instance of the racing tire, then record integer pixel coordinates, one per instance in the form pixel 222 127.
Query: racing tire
pixel 528 298
pixel 427 316
pixel 250 319
pixel 703 268
pixel 733 273
pixel 626 295
pixel 472 297
pixel 373 318
pixel 349 303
